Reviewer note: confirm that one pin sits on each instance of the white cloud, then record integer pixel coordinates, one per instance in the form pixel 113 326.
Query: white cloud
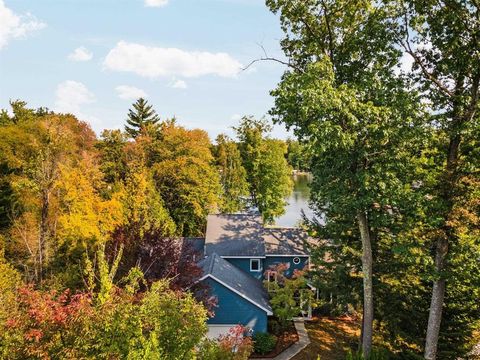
pixel 81 54
pixel 179 84
pixel 156 3
pixel 70 98
pixel 16 26
pixel 153 62
pixel 130 92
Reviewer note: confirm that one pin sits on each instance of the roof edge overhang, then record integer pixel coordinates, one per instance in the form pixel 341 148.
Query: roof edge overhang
pixel 285 255
pixel 269 312
pixel 242 256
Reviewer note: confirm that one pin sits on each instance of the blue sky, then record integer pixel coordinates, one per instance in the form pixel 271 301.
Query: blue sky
pixel 93 57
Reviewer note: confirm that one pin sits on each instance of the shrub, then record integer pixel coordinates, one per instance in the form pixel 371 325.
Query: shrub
pixel 264 343
pixel 231 346
pixel 211 350
pixel 240 345
pixel 274 327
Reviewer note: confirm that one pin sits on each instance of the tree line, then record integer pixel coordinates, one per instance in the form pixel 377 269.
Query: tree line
pixel 94 228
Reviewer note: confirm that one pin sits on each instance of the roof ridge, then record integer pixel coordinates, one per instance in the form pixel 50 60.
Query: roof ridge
pixel 212 263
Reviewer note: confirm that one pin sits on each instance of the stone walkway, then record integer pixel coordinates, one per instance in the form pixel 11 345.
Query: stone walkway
pixel 303 341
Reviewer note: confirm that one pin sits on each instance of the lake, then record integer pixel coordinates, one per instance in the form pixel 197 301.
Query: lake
pixel 297 202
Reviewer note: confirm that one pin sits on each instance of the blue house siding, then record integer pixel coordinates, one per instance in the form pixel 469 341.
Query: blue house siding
pixel 233 309
pixel 275 260
pixel 244 264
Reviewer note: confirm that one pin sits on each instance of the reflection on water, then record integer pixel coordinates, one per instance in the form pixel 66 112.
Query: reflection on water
pixel 297 201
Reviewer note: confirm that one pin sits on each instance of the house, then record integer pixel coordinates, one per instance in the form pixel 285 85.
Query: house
pixel 238 250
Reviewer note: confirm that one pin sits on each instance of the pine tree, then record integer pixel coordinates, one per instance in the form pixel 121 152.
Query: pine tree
pixel 140 117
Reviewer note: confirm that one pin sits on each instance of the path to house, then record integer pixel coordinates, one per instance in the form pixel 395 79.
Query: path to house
pixel 303 341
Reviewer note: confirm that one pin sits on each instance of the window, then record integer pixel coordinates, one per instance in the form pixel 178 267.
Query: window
pixel 255 265
pixel 296 260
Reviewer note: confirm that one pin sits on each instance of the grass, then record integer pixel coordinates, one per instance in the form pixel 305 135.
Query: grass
pixel 330 338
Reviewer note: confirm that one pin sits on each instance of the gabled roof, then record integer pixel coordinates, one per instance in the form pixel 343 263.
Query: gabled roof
pixel 234 235
pixel 244 235
pixel 286 241
pixel 236 280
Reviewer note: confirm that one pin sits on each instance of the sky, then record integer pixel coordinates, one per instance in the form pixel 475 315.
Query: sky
pixel 93 58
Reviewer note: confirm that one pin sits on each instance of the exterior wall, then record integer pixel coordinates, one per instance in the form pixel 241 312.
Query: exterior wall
pixel 244 264
pixel 274 260
pixel 233 309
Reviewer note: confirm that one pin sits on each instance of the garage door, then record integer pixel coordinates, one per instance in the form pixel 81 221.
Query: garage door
pixel 215 330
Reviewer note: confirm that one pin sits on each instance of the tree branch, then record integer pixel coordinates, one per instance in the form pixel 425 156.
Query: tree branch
pixel 406 45
pixel 269 58
pixel 329 30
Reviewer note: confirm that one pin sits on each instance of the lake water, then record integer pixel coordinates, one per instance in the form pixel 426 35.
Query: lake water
pixel 297 202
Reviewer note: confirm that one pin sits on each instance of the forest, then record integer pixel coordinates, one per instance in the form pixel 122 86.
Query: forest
pixel 383 99
pixel 91 225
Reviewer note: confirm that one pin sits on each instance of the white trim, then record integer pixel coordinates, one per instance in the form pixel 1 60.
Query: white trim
pixel 282 255
pixel 269 313
pixel 242 257
pixel 259 265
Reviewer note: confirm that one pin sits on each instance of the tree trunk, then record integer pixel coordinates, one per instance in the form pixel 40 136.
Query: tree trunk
pixel 367 263
pixel 441 251
pixel 42 238
pixel 436 305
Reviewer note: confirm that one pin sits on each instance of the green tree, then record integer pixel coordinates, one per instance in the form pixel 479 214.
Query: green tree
pixel 297 155
pixel 113 155
pixel 185 176
pixel 273 180
pixel 341 94
pixel 443 40
pixel 140 118
pixel 251 133
pixel 144 208
pixel 268 172
pixel 289 296
pixel 232 175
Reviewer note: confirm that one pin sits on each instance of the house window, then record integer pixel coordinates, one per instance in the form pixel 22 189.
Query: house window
pixel 296 260
pixel 255 265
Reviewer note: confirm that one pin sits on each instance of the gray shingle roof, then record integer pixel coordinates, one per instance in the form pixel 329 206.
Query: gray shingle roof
pixel 245 235
pixel 239 281
pixel 234 235
pixel 286 241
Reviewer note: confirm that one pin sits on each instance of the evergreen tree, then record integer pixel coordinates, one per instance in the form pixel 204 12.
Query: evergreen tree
pixel 140 117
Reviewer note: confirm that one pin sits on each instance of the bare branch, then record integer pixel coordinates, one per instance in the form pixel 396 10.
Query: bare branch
pixel 269 58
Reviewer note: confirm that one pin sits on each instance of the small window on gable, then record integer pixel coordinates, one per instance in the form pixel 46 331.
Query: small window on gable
pixel 296 260
pixel 255 265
